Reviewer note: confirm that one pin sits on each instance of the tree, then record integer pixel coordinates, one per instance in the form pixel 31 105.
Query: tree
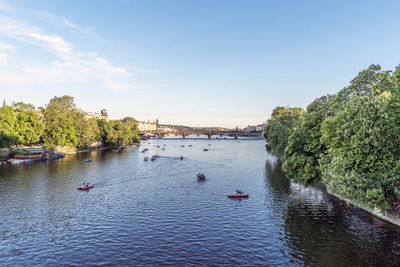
pixel 133 125
pixel 8 119
pixel 302 154
pixel 21 106
pixel 59 123
pixel 86 130
pixel 107 132
pixel 363 141
pixel 278 128
pixel 29 128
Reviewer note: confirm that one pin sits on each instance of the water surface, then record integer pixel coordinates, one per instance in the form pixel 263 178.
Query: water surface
pixel 157 213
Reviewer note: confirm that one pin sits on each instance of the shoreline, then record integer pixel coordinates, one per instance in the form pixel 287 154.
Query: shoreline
pixel 5 160
pixel 94 149
pixel 374 212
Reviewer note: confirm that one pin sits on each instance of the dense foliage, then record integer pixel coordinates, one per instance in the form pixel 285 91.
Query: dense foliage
pixel 61 125
pixel 301 157
pixel 350 141
pixel 279 126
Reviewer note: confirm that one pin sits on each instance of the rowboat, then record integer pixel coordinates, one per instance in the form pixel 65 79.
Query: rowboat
pixel 242 195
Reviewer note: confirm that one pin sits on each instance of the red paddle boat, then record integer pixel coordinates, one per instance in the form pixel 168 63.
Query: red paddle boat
pixel 239 194
pixel 85 187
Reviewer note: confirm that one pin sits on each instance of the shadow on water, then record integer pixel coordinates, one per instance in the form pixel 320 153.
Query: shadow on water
pixel 322 230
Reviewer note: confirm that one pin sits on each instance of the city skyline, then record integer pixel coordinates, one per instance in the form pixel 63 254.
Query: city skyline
pixel 222 64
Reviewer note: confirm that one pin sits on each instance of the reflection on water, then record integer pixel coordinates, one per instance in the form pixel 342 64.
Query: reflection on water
pixel 321 230
pixel 156 212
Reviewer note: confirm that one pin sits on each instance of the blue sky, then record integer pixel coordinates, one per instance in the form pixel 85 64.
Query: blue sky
pixel 198 63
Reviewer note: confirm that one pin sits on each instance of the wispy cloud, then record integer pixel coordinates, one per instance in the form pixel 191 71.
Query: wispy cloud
pixel 62 22
pixel 7 47
pixel 78 28
pixel 71 65
pixel 4 5
pixel 3 59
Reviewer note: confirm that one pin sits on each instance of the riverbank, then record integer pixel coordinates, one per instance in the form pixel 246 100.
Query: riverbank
pixel 95 149
pixel 387 217
pixel 6 158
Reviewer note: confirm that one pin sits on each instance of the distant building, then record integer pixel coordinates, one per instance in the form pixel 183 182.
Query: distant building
pixel 95 115
pixel 104 114
pixel 254 129
pixel 260 128
pixel 4 103
pixel 249 129
pixel 147 126
pixel 92 115
pixel 166 129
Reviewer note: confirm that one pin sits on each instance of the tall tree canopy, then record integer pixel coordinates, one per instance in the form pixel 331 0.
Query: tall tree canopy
pixel 8 119
pixel 278 128
pixel 350 141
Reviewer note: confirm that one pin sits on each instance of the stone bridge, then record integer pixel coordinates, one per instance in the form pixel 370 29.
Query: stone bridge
pixel 184 134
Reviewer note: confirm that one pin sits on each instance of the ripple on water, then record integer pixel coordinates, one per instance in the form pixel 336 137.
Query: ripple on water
pixel 157 213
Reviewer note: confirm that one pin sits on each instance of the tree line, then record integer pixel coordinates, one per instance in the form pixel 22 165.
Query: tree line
pixel 62 125
pixel 349 141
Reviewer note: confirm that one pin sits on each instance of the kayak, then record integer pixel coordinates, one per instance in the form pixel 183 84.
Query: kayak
pixel 86 188
pixel 87 160
pixel 239 196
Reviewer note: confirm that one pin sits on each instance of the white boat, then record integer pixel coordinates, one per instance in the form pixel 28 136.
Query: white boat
pixel 18 161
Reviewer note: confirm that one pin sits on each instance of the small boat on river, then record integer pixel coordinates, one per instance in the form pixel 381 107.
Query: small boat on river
pixel 239 194
pixel 18 161
pixel 87 160
pixel 85 187
pixel 205 149
pixel 146 159
pixel 201 177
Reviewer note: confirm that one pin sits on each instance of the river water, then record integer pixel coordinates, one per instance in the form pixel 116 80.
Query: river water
pixel 151 213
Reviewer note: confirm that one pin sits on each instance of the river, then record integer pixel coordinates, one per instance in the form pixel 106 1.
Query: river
pixel 151 213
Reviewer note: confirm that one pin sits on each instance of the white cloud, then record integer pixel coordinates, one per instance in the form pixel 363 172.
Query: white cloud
pixel 4 5
pixel 7 47
pixel 78 28
pixel 54 42
pixel 71 66
pixel 3 59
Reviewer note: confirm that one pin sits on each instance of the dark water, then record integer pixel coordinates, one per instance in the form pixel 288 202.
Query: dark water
pixel 157 213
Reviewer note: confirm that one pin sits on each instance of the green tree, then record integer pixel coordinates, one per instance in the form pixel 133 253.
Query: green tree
pixel 8 120
pixel 363 141
pixel 29 128
pixel 107 132
pixel 133 125
pixel 278 128
pixel 86 130
pixel 59 123
pixel 302 154
pixel 21 106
